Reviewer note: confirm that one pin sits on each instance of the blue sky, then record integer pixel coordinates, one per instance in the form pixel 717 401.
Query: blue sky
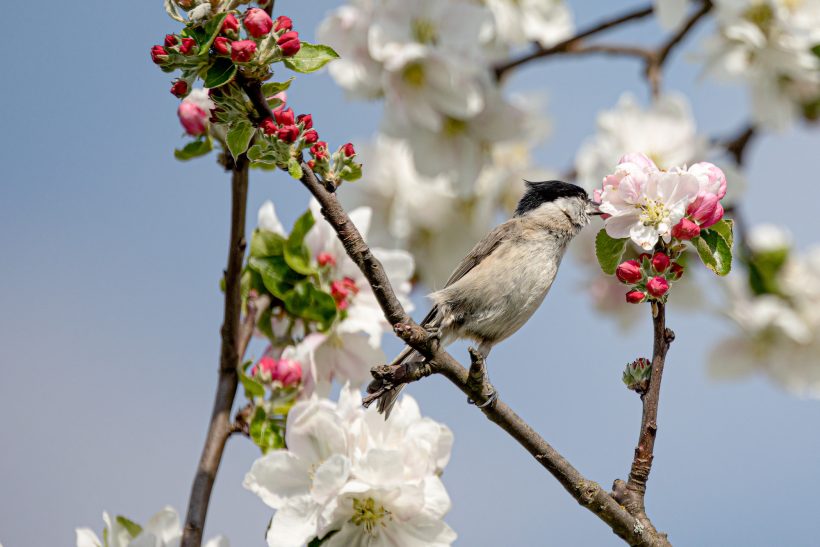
pixel 110 311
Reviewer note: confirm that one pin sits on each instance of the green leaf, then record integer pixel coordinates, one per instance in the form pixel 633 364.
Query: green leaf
pixel 272 88
pixel 351 172
pixel 609 251
pixel 297 255
pixel 264 243
pixel 764 268
pixel 265 432
pixel 294 168
pixel 212 29
pixel 130 526
pixel 725 228
pixel 310 58
pixel 816 50
pixel 252 387
pixel 219 73
pixel 311 303
pixel 714 251
pixel 239 137
pixel 172 11
pixel 194 149
pixel 277 276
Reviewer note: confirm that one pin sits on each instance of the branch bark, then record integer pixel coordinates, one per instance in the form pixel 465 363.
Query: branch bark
pixel 232 342
pixel 632 493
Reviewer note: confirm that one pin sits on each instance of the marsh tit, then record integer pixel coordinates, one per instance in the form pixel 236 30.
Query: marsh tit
pixel 498 286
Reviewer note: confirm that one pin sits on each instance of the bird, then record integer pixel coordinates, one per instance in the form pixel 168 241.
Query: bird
pixel 502 281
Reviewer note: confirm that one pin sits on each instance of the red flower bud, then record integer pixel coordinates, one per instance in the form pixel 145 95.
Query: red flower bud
pixel 170 40
pixel 685 230
pixel 319 150
pixel 676 271
pixel 289 43
pixel 305 119
pixel 657 286
pixel 635 297
pixel 243 50
pixel 180 88
pixel 159 55
pixel 187 46
pixel 629 272
pixel 284 117
pixel 325 259
pixel 257 22
pixel 311 164
pixel 644 255
pixel 310 136
pixel 283 22
pixel 660 262
pixel 288 133
pixel 348 150
pixel 221 45
pixel 268 126
pixel 230 23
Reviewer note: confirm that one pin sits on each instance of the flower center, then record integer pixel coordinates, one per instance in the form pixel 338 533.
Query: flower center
pixel 653 212
pixel 453 127
pixel 424 31
pixel 761 15
pixel 414 74
pixel 366 513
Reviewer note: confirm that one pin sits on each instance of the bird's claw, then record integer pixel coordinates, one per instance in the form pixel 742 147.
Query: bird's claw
pixel 434 333
pixel 490 400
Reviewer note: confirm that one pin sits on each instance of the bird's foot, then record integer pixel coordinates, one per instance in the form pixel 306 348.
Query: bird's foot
pixel 491 398
pixel 479 381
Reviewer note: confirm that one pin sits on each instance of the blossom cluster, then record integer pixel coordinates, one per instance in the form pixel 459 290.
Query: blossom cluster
pixel 776 311
pixel 648 276
pixel 771 46
pixel 446 119
pixel 351 478
pixel 161 530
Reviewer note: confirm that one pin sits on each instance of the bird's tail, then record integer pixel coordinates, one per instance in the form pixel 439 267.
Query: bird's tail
pixel 389 397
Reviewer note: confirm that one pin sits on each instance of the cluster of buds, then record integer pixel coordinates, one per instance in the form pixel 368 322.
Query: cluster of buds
pixel 636 375
pixel 289 128
pixel 705 210
pixel 343 290
pixel 337 166
pixel 281 372
pixel 648 276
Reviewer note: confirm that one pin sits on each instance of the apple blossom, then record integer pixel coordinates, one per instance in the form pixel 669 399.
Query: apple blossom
pixel 187 46
pixel 284 370
pixel 242 51
pixel 161 530
pixel 288 133
pixel 200 13
pixel 635 297
pixel 257 22
pixel 268 126
pixel 170 40
pixel 230 24
pixel 325 259
pixel 289 43
pixel 268 220
pixel 222 45
pixel 310 136
pixel 657 286
pixel 284 117
pixel 660 262
pixel 159 55
pixel 306 120
pixel 348 150
pixel 195 111
pixel 629 272
pixel 522 21
pixel 685 230
pixel 283 22
pixel 179 88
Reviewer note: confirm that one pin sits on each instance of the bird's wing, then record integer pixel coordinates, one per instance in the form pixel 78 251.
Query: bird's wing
pixel 481 250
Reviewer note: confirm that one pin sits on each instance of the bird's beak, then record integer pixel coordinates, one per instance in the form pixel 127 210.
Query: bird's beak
pixel 593 208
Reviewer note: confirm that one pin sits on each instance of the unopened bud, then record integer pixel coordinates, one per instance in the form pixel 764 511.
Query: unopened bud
pixel 637 373
pixel 310 136
pixel 221 45
pixel 348 150
pixel 268 126
pixel 230 24
pixel 629 272
pixel 676 271
pixel 284 116
pixel 289 43
pixel 180 88
pixel 170 40
pixel 306 120
pixel 193 118
pixel 187 46
pixel 660 262
pixel 635 297
pixel 257 22
pixel 283 22
pixel 242 51
pixel 657 286
pixel 685 230
pixel 325 259
pixel 159 55
pixel 288 133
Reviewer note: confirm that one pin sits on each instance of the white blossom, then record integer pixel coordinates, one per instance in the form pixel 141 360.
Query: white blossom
pixel 664 131
pixel 670 13
pixel 520 21
pixel 348 471
pixel 161 530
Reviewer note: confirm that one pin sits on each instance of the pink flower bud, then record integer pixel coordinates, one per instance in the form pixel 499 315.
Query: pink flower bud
pixel 288 133
pixel 243 50
pixel 657 286
pixel 170 40
pixel 221 45
pixel 635 297
pixel 284 117
pixel 283 22
pixel 187 46
pixel 629 272
pixel 288 372
pixel 268 126
pixel 705 210
pixel 326 259
pixel 159 55
pixel 264 367
pixel 348 150
pixel 310 136
pixel 180 88
pixel 306 119
pixel 257 22
pixel 685 230
pixel 289 43
pixel 660 262
pixel 341 289
pixel 711 178
pixel 676 271
pixel 641 160
pixel 230 24
pixel 193 118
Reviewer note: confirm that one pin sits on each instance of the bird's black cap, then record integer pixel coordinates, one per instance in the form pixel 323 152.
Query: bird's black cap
pixel 539 193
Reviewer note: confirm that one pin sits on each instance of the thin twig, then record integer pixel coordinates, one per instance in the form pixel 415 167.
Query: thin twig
pixel 632 494
pixel 220 425
pixel 569 43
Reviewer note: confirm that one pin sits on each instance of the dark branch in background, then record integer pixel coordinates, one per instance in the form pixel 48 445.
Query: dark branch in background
pixel 570 43
pixel 232 341
pixel 631 494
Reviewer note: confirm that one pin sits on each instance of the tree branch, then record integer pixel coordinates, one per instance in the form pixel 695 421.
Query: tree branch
pixel 232 343
pixel 570 43
pixel 631 494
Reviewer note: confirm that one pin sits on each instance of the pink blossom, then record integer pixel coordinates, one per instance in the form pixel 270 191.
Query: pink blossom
pixel 685 230
pixel 706 210
pixel 660 262
pixel 283 22
pixel 657 286
pixel 676 271
pixel 257 22
pixel 242 51
pixel 325 259
pixel 629 272
pixel 193 118
pixel 641 160
pixel 187 46
pixel 289 43
pixel 287 372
